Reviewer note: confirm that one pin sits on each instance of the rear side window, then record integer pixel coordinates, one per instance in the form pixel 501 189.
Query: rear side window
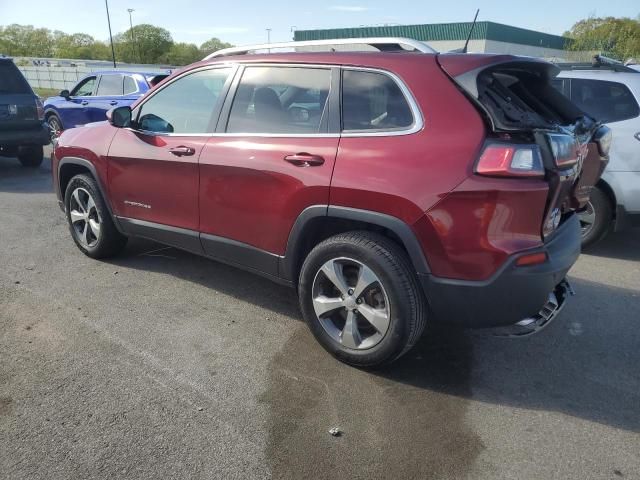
pixel 373 101
pixel 84 88
pixel 130 85
pixel 110 85
pixel 11 80
pixel 284 100
pixel 605 101
pixel 185 106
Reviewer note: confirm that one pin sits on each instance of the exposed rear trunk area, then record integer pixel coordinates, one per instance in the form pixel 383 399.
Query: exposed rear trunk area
pixel 519 104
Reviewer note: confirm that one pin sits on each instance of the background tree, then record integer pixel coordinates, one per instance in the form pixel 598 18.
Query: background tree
pixel 150 43
pixel 616 37
pixel 181 54
pixel 212 45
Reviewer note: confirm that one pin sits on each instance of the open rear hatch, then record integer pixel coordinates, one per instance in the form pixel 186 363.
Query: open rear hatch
pixel 520 105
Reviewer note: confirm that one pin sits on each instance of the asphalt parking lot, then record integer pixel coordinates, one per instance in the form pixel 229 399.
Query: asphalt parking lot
pixel 160 364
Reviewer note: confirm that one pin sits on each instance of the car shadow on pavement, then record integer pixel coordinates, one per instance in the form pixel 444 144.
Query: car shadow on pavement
pixel 17 179
pixel 584 364
pixel 624 245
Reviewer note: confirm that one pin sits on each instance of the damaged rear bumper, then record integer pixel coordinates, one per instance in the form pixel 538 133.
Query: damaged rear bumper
pixel 513 293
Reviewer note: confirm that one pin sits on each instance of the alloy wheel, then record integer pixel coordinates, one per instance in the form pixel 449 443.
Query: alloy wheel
pixel 55 129
pixel 85 218
pixel 587 219
pixel 351 303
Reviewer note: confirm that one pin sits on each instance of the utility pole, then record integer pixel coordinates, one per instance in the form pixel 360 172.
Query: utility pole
pixel 268 35
pixel 133 40
pixel 113 52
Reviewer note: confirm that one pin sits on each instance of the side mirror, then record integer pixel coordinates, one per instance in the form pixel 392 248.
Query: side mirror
pixel 65 94
pixel 120 117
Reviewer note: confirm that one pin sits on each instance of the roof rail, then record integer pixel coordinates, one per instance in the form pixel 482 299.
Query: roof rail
pixel 598 62
pixel 383 44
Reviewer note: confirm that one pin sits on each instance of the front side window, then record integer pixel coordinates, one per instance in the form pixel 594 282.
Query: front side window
pixel 280 100
pixel 603 100
pixel 186 105
pixel 84 88
pixel 109 86
pixel 373 101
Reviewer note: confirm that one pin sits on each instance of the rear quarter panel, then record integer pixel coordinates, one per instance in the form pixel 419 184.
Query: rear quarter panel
pixel 405 175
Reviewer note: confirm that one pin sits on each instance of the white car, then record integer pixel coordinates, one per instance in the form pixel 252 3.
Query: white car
pixel 609 92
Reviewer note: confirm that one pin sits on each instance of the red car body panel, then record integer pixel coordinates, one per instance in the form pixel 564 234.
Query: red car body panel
pixel 143 172
pixel 249 193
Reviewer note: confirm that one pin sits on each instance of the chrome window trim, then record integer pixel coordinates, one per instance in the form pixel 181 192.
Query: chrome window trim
pixel 416 112
pixel 418 119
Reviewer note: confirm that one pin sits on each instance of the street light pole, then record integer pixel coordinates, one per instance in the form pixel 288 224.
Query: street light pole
pixel 268 35
pixel 113 52
pixel 133 40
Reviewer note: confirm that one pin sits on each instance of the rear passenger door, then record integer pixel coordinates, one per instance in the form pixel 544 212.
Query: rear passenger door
pixel 272 157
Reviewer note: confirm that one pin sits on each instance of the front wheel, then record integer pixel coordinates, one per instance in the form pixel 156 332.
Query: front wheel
pixel 55 127
pixel 90 222
pixel 361 299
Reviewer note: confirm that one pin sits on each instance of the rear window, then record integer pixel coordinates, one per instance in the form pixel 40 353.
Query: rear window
pixel 110 85
pixel 606 101
pixel 373 101
pixel 11 80
pixel 130 85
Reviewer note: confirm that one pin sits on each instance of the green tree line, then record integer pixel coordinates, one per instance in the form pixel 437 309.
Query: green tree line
pixel 143 43
pixel 616 37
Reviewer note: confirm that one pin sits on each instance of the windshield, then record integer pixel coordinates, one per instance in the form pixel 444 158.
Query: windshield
pixel 11 80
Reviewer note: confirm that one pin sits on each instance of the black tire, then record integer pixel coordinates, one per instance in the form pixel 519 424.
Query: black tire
pixel 406 301
pixel 31 156
pixel 602 209
pixel 110 241
pixel 55 126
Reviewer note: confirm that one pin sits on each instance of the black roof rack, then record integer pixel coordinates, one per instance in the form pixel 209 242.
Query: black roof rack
pixel 599 62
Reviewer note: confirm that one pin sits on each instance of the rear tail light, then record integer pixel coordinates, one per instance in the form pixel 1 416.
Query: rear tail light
pixel 564 148
pixel 510 160
pixel 39 109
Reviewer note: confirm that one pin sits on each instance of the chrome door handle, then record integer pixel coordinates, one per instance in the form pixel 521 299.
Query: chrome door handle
pixel 305 160
pixel 182 151
pixel 84 102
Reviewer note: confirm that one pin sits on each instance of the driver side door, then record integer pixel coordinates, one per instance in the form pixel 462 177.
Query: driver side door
pixel 153 166
pixel 75 111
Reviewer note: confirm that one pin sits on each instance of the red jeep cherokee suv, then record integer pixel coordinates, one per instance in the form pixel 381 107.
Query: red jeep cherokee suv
pixel 392 188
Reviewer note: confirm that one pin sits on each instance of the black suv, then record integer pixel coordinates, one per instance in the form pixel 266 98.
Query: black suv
pixel 23 131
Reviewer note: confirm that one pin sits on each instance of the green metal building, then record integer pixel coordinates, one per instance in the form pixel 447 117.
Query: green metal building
pixel 490 37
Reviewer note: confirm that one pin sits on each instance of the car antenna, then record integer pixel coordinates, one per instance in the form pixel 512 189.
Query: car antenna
pixel 473 25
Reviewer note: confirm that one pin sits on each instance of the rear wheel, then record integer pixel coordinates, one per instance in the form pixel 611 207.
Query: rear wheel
pixel 361 298
pixel 31 156
pixel 90 222
pixel 596 219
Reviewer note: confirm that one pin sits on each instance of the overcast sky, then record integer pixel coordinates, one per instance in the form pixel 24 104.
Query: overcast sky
pixel 246 21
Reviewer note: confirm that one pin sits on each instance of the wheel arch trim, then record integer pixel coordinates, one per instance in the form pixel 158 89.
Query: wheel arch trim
pixel 82 162
pixel 289 263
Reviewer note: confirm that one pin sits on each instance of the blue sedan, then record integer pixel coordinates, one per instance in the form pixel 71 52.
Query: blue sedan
pixel 94 95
